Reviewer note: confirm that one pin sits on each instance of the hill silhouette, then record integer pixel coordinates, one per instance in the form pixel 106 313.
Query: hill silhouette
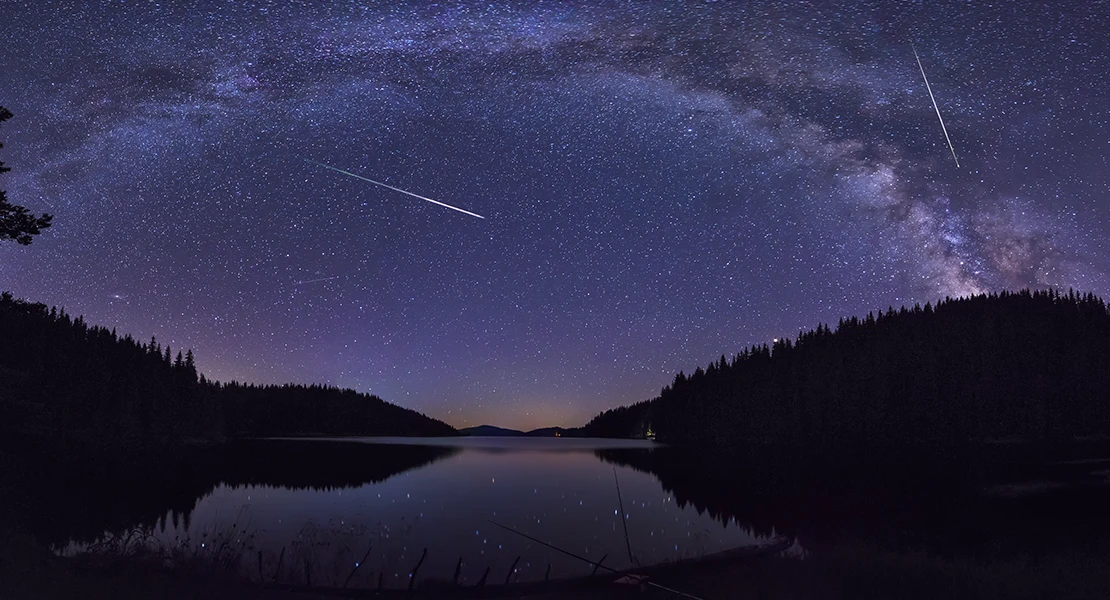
pixel 556 432
pixel 69 383
pixel 494 431
pixel 490 431
pixel 1009 368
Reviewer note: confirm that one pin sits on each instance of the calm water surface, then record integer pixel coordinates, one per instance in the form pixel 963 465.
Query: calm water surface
pixel 556 489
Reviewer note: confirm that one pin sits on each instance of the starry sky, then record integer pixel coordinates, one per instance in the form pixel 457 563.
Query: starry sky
pixel 662 183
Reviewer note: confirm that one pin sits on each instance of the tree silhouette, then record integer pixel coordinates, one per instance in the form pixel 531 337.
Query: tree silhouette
pixel 16 222
pixel 1025 367
pixel 63 381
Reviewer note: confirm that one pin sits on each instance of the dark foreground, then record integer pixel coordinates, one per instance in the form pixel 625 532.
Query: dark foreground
pixel 851 572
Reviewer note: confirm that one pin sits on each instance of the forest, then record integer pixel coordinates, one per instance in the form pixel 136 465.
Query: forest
pixel 1013 367
pixel 70 383
pixel 1027 367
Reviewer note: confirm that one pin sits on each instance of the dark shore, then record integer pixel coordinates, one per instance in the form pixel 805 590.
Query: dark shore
pixel 29 571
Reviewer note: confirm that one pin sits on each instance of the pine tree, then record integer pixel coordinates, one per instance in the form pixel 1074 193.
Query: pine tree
pixel 16 222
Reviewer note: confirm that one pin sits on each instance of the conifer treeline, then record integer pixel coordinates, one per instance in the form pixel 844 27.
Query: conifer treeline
pixel 62 379
pixel 1016 366
pixel 287 410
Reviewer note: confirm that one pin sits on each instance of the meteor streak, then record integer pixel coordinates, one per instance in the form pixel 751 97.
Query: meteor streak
pixel 945 129
pixel 316 280
pixel 385 185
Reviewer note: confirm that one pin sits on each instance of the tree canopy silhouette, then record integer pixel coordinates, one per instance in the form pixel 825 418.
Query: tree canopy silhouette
pixel 16 222
pixel 64 380
pixel 1010 368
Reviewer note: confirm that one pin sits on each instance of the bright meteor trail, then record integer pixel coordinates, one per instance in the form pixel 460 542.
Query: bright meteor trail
pixel 945 129
pixel 386 185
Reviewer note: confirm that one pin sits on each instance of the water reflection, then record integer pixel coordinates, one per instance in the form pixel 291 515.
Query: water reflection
pixel 900 506
pixel 320 505
pixel 321 465
pixel 557 490
pixel 69 496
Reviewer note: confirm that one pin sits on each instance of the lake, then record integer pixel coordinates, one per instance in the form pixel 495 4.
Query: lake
pixel 291 507
pixel 442 496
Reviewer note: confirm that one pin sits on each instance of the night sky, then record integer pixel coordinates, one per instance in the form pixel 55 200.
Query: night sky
pixel 661 183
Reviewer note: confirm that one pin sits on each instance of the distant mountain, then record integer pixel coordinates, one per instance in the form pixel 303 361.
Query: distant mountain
pixel 490 431
pixel 556 432
pixel 493 431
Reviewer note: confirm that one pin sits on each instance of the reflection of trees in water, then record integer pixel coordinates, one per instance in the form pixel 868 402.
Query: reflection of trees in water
pixel 322 465
pixel 79 498
pixel 904 508
pixel 759 502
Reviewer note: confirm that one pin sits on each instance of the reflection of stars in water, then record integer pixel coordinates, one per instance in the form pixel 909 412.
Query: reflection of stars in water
pixel 551 513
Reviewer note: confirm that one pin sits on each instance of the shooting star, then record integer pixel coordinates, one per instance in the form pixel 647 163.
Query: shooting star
pixel 385 185
pixel 945 129
pixel 315 280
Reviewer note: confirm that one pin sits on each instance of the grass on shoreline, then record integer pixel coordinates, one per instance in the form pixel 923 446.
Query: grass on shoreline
pixel 125 566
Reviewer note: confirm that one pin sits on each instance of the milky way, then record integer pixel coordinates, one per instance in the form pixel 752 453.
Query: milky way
pixel 662 183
